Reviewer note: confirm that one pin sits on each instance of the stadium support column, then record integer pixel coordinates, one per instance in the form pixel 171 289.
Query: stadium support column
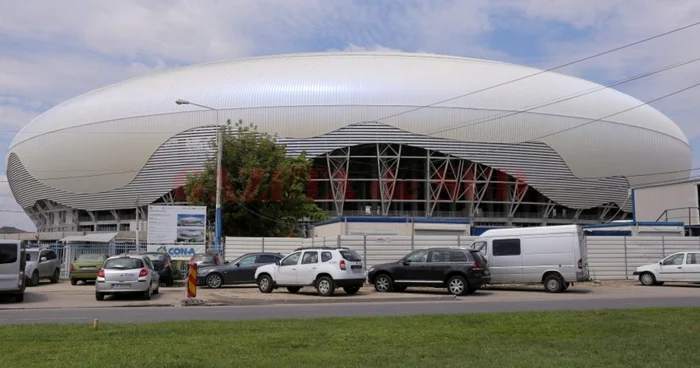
pixel 475 182
pixel 443 177
pixel 548 212
pixel 338 166
pixel 388 159
pixel 517 191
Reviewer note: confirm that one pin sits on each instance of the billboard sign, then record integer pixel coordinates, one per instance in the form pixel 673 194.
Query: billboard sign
pixel 177 225
pixel 178 252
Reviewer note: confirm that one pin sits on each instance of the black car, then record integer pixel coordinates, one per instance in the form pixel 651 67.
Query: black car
pixel 162 263
pixel 239 271
pixel 461 271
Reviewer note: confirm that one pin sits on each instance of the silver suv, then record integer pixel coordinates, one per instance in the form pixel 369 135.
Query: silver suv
pixel 42 264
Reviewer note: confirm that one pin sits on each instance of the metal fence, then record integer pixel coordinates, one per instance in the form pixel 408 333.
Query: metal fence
pixel 68 253
pixel 609 257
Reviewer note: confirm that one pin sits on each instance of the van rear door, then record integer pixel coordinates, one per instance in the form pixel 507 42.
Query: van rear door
pixel 10 261
pixel 583 255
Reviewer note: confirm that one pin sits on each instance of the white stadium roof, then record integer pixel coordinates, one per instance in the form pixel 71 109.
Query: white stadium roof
pixel 90 152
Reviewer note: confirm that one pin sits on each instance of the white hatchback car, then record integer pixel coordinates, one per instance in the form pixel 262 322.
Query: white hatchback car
pixel 324 268
pixel 678 267
pixel 130 273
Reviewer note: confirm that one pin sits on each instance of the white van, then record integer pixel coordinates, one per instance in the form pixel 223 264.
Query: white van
pixel 12 263
pixel 551 255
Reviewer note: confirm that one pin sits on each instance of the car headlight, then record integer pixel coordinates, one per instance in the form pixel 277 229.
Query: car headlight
pixel 371 268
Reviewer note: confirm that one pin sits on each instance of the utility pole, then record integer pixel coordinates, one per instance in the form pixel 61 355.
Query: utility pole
pixel 137 223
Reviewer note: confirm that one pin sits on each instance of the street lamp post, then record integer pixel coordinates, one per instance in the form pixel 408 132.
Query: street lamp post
pixel 219 154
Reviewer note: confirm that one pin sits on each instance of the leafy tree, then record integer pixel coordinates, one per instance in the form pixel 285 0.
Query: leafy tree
pixel 263 190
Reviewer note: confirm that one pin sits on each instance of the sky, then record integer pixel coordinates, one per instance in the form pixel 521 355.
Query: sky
pixel 51 51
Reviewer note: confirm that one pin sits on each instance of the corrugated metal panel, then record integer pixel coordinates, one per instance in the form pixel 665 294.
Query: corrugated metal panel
pixel 539 165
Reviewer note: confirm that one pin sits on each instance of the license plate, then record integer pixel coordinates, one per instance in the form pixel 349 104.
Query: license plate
pixel 357 270
pixel 121 286
pixel 88 268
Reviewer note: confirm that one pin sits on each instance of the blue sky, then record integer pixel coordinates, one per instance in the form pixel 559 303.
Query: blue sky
pixel 52 51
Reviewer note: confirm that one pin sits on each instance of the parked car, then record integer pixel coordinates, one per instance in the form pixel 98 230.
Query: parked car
pixel 85 267
pixel 459 270
pixel 323 268
pixel 163 263
pixel 551 255
pixel 678 267
pixel 12 265
pixel 132 274
pixel 237 272
pixel 42 264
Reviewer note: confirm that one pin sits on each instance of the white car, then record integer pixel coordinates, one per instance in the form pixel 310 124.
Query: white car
pixel 678 267
pixel 323 268
pixel 132 274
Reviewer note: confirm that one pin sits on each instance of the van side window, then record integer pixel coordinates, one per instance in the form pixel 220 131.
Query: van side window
pixel 506 247
pixel 8 253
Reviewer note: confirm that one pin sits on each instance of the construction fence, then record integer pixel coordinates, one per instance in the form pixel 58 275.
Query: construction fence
pixel 68 253
pixel 609 257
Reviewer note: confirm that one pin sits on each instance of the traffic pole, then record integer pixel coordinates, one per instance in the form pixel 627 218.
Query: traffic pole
pixel 192 281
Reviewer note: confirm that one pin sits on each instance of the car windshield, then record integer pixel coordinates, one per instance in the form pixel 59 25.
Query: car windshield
pixel 123 264
pixel 90 257
pixel 350 255
pixel 32 256
pixel 156 256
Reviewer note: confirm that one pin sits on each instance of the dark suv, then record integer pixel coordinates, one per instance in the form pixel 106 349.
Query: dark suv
pixel 460 270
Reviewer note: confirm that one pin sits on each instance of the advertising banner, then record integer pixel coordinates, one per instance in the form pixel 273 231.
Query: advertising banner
pixel 178 252
pixel 186 225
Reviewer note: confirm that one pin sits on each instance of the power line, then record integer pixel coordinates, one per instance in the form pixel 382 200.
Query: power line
pixel 567 98
pixel 545 71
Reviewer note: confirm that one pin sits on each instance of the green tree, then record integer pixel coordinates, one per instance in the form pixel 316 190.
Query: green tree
pixel 263 190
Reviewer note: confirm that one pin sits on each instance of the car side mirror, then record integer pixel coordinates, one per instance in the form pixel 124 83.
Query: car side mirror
pixel 238 264
pixel 661 263
pixel 406 262
pixel 277 263
pixel 227 262
pixel 43 259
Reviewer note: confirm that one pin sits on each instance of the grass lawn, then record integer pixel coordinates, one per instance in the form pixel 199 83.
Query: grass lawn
pixel 625 338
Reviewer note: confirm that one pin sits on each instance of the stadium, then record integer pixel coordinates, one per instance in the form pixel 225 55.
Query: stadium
pixel 391 134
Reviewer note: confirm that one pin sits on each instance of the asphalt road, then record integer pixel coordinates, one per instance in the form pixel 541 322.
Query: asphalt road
pixel 156 314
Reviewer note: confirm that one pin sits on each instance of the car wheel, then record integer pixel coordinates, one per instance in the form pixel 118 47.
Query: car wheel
pixel 34 281
pixel 214 280
pixel 99 296
pixel 647 279
pixel 147 294
pixel 19 298
pixel 325 286
pixel 351 290
pixel 457 285
pixel 56 276
pixel 383 283
pixel 553 284
pixel 157 290
pixel 73 282
pixel 293 289
pixel 265 284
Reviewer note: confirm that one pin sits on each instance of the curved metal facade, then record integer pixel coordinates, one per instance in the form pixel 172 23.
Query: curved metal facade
pixel 101 150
